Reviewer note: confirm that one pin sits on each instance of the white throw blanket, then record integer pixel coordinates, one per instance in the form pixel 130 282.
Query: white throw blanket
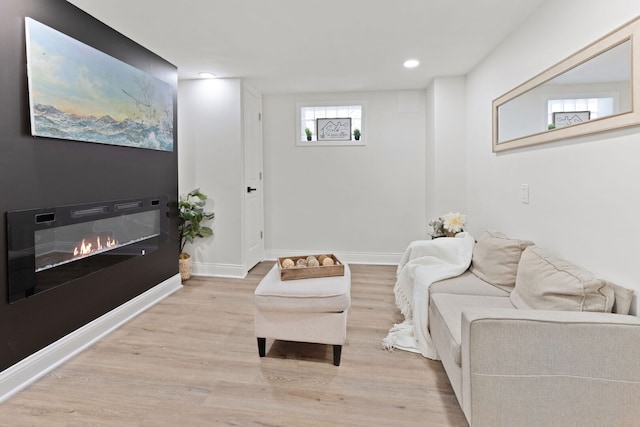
pixel 424 262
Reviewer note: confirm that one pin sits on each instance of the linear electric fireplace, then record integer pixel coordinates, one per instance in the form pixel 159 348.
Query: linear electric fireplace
pixel 49 247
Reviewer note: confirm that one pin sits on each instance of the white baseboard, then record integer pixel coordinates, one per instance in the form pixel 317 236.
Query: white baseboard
pixel 28 370
pixel 348 257
pixel 233 271
pixel 236 271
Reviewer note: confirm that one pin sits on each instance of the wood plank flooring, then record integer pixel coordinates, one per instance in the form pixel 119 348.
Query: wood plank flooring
pixel 192 360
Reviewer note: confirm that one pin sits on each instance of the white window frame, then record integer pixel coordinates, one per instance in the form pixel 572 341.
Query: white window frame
pixel 301 140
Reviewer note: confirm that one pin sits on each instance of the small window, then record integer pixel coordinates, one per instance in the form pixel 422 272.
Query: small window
pixel 345 119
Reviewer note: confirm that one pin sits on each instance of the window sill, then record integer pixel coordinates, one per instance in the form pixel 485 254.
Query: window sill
pixel 314 143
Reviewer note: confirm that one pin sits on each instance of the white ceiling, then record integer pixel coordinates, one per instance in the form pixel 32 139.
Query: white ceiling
pixel 286 46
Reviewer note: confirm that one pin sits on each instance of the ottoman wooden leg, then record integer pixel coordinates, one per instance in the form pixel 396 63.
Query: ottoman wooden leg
pixel 262 346
pixel 337 352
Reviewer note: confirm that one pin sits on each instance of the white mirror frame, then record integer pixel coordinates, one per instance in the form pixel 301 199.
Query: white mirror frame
pixel 629 31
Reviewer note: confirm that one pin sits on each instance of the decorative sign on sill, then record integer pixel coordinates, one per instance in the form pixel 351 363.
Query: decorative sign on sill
pixel 568 118
pixel 336 129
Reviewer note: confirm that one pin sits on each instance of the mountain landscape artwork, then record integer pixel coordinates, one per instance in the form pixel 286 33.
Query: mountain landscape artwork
pixel 79 93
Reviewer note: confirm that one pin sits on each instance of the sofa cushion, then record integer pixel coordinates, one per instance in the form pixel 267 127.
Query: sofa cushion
pixel 445 319
pixel 467 284
pixel 496 257
pixel 624 296
pixel 547 282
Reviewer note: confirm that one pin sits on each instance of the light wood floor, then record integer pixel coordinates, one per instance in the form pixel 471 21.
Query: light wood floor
pixel 192 360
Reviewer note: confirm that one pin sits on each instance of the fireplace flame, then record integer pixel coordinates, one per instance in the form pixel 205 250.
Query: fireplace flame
pixel 93 244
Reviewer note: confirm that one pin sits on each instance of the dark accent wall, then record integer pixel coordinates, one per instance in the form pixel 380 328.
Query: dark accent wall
pixel 42 172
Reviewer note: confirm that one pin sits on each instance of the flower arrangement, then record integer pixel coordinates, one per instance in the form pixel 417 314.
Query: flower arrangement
pixel 448 225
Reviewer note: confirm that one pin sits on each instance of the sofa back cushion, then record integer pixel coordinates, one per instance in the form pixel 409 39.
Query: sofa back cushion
pixel 495 258
pixel 624 296
pixel 547 282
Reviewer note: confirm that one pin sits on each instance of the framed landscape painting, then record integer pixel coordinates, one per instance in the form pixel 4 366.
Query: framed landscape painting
pixel 79 93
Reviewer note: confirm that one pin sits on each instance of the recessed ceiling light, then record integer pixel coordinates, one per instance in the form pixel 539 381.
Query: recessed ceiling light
pixel 206 75
pixel 411 63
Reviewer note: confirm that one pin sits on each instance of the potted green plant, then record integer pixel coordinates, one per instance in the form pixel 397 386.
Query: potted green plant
pixel 356 134
pixel 309 133
pixel 191 216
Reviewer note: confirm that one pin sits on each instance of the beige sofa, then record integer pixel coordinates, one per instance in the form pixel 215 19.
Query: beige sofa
pixel 527 339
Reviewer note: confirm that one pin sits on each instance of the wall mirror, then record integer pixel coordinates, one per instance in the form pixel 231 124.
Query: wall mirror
pixel 594 90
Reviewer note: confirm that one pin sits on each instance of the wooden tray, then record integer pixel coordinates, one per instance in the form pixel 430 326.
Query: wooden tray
pixel 337 269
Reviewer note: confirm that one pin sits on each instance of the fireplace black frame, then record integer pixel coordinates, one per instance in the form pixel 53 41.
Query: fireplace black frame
pixel 25 281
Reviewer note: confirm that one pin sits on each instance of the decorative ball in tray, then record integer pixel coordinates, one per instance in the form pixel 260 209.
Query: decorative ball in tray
pixel 309 266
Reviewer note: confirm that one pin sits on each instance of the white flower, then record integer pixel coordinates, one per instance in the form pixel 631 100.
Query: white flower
pixel 453 222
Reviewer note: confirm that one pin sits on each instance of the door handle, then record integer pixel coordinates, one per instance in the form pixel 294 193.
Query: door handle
pixel 249 189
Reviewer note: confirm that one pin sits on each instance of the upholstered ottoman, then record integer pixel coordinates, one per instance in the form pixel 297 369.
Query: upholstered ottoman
pixel 304 310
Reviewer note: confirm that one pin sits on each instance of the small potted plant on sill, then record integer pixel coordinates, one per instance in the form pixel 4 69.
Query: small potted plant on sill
pixel 356 134
pixel 309 133
pixel 191 216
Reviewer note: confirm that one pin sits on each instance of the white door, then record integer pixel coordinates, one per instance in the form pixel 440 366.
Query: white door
pixel 254 201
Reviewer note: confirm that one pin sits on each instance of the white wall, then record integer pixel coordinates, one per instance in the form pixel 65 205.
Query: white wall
pixel 365 203
pixel 584 198
pixel 450 150
pixel 210 157
pixel 431 209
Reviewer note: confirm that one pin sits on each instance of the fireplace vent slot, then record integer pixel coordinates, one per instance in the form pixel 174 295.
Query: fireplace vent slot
pixel 126 206
pixel 45 217
pixel 98 210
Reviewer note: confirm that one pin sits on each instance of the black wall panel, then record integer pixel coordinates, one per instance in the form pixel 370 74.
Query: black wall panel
pixel 43 172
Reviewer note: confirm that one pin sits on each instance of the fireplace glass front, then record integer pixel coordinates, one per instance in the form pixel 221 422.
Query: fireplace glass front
pixel 51 247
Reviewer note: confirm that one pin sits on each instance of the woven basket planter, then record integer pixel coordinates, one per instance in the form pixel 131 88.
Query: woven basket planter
pixel 184 266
